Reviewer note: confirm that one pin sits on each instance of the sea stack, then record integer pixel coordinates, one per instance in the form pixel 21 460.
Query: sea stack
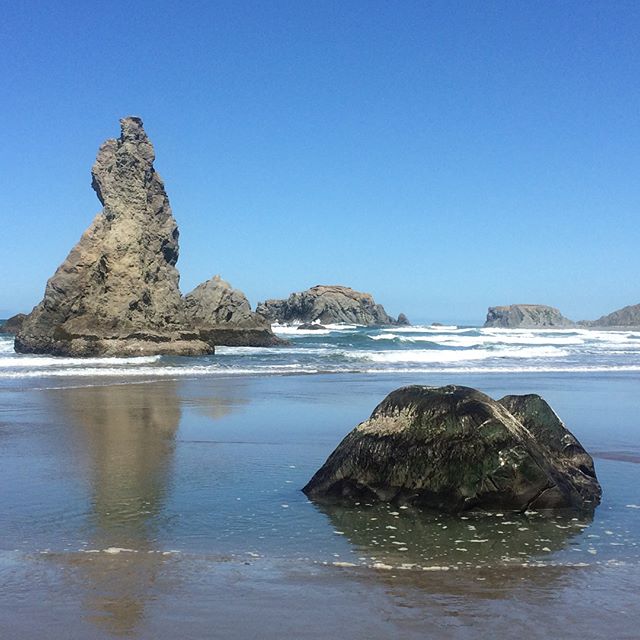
pixel 223 316
pixel 455 449
pixel 117 291
pixel 526 316
pixel 328 304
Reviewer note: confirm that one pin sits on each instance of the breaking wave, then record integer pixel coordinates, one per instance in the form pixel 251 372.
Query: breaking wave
pixel 350 348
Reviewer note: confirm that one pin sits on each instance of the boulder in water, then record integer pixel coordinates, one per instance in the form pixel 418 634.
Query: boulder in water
pixel 454 449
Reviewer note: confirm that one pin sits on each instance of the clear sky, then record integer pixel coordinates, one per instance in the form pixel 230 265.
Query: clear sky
pixel 444 156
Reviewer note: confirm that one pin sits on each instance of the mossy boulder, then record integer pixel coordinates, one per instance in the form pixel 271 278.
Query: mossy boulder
pixel 454 448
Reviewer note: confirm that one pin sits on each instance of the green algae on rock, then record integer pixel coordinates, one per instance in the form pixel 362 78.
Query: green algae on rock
pixel 454 449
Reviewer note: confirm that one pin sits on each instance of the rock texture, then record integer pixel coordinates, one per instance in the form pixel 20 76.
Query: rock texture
pixel 223 316
pixel 311 327
pixel 117 291
pixel 454 449
pixel 328 305
pixel 13 324
pixel 622 318
pixel 526 316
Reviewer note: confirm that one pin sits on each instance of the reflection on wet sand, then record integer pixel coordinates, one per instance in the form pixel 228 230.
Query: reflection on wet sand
pixel 215 399
pixel 127 433
pixel 387 536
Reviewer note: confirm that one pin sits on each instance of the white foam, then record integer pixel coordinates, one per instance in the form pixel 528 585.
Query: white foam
pixel 294 329
pixel 20 361
pixel 6 345
pixel 158 372
pixel 429 328
pixel 424 355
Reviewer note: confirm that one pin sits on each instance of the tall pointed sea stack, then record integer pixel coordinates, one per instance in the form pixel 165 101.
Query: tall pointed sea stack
pixel 117 291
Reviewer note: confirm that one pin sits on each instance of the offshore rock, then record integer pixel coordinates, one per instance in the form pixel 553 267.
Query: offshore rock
pixel 13 324
pixel 526 316
pixel 117 291
pixel 223 316
pixel 454 449
pixel 326 304
pixel 622 318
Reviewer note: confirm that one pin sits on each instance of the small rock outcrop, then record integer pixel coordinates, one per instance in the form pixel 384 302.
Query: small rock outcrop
pixel 223 316
pixel 117 291
pixel 622 318
pixel 526 316
pixel 454 449
pixel 402 320
pixel 326 304
pixel 311 327
pixel 13 324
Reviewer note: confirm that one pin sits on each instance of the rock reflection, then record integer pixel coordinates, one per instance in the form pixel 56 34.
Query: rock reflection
pixel 389 536
pixel 127 435
pixel 215 399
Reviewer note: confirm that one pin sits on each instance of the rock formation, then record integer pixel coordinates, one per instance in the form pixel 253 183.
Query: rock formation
pixel 454 449
pixel 13 324
pixel 313 326
pixel 622 318
pixel 327 305
pixel 223 316
pixel 117 291
pixel 526 316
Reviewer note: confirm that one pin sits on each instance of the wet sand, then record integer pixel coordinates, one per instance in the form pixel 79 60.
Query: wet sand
pixel 172 509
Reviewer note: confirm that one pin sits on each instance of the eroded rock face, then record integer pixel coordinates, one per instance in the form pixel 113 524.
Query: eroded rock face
pixel 117 291
pixel 526 316
pixel 328 305
pixel 223 316
pixel 454 449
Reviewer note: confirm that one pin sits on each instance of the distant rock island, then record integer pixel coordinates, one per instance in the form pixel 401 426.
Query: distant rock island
pixel 328 304
pixel 117 291
pixel 526 316
pixel 13 324
pixel 456 449
pixel 622 318
pixel 536 316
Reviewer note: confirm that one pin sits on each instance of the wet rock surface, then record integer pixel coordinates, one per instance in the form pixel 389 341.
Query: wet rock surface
pixel 455 449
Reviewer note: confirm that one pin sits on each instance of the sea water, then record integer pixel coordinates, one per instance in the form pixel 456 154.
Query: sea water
pixel 160 497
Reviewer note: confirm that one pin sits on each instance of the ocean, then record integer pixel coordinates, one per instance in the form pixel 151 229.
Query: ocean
pixel 160 497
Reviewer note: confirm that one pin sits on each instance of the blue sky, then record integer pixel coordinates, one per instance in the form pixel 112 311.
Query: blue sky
pixel 445 156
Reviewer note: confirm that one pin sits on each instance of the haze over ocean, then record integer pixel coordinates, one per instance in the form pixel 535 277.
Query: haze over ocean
pixel 443 156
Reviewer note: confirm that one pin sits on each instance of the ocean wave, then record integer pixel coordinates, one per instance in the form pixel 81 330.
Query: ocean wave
pixel 158 372
pixel 424 328
pixel 424 355
pixel 294 330
pixel 6 345
pixel 172 372
pixel 20 361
